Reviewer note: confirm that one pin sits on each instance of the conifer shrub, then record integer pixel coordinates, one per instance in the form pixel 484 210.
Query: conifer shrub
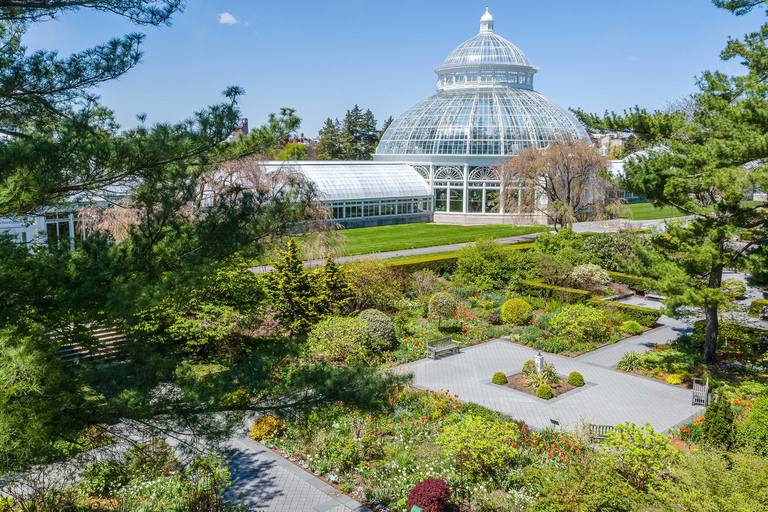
pixel 529 366
pixel 431 495
pixel 545 392
pixel 757 426
pixel 267 427
pixel 515 312
pixel 718 423
pixel 499 378
pixel 575 379
pixel 631 327
pixel 442 306
pixel 380 329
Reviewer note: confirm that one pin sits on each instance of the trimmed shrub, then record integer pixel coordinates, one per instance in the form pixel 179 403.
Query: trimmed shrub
pixel 589 276
pixel 499 378
pixel 538 288
pixel 516 312
pixel 631 327
pixel 756 307
pixel 339 339
pixel 380 329
pixel 647 317
pixel 575 379
pixel 630 362
pixel 529 366
pixel 437 264
pixel 267 427
pixel 634 282
pixel 545 392
pixel 431 495
pixel 733 287
pixel 718 423
pixel 442 306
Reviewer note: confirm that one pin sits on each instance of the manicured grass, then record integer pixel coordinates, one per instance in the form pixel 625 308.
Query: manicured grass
pixel 409 236
pixel 646 211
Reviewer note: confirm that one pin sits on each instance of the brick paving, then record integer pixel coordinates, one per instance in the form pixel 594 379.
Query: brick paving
pixel 271 483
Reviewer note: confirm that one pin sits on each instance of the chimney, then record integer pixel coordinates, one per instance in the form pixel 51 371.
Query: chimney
pixel 244 125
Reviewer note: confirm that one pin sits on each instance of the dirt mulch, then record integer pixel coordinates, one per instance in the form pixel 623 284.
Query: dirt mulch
pixel 517 381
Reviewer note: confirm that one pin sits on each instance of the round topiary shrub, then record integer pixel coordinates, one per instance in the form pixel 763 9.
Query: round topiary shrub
pixel 575 379
pixel 516 312
pixel 499 378
pixel 442 306
pixel 431 495
pixel 631 327
pixel 529 366
pixel 380 329
pixel 545 392
pixel 267 427
pixel 589 276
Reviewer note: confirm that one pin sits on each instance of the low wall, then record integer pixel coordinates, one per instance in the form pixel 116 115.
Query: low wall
pixel 388 220
pixel 488 218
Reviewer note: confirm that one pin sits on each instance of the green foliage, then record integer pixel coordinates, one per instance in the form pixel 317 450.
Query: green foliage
pixel 334 290
pixel 374 284
pixel 634 282
pixel 484 446
pixel 104 477
pixel 442 306
pixel 544 391
pixel 355 138
pixel 631 327
pixel 756 428
pixel 674 379
pixel 639 454
pixel 291 290
pixel 740 337
pixel 151 458
pixel 380 329
pixel 515 312
pixel 647 317
pixel 437 264
pixel 711 480
pixel 339 339
pixel 291 151
pixel 756 307
pixel 489 265
pixel 733 287
pixel 575 379
pixel 557 345
pixel 580 323
pixel 589 276
pixel 555 243
pixel 499 378
pixel 718 423
pixel 614 252
pixel 567 295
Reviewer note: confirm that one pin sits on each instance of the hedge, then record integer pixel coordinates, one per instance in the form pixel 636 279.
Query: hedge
pixel 443 263
pixel 757 307
pixel 540 288
pixel 634 282
pixel 644 316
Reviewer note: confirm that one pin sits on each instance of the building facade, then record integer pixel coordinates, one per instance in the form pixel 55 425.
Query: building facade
pixel 484 111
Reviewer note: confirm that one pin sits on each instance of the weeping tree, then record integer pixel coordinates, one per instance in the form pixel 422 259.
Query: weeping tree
pixel 705 159
pixel 564 181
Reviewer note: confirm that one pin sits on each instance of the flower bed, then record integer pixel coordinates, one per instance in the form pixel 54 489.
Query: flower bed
pixel 517 382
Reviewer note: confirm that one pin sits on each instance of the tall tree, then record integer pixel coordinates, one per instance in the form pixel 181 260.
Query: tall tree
pixel 562 181
pixel 704 159
pixel 330 145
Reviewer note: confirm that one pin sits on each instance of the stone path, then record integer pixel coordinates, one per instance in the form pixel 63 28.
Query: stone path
pixel 271 483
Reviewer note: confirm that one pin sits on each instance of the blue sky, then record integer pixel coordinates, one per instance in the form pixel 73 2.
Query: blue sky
pixel 323 57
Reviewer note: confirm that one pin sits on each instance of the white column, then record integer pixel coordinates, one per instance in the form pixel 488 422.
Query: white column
pixel 466 189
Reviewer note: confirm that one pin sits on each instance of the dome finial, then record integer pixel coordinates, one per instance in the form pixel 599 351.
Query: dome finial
pixel 486 22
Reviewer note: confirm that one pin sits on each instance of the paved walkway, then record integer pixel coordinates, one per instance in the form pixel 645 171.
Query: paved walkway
pixel 271 483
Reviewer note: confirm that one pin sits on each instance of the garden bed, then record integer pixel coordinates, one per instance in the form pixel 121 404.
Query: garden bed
pixel 517 382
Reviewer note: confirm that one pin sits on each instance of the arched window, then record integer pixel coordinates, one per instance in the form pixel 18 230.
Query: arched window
pixel 423 171
pixel 483 174
pixel 449 190
pixel 449 173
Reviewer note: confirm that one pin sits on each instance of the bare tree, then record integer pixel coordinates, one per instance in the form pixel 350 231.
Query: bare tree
pixel 564 181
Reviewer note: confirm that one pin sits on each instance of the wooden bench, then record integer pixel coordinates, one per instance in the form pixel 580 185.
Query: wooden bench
pixel 441 345
pixel 599 433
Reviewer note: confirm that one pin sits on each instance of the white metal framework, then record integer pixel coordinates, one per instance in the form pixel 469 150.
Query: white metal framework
pixel 484 111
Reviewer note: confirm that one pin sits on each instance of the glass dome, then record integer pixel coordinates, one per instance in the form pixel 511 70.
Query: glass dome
pixel 485 105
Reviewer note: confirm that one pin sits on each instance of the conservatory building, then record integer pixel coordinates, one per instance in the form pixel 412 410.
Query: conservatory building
pixel 485 110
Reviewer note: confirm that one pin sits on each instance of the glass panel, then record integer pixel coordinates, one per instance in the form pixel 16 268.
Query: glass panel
pixel 404 207
pixel 353 211
pixel 492 201
pixel 475 201
pixel 52 235
pixel 441 200
pixel 457 201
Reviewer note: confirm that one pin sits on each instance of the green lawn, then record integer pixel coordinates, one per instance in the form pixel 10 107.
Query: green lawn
pixel 409 236
pixel 646 211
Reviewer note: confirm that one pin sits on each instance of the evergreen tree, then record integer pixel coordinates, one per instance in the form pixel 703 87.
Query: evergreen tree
pixel 336 294
pixel 292 292
pixel 705 159
pixel 718 423
pixel 369 136
pixel 330 145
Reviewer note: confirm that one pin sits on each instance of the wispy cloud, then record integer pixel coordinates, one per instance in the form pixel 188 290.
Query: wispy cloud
pixel 226 19
pixel 631 57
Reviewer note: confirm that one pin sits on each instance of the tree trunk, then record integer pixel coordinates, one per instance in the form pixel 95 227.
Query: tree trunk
pixel 710 336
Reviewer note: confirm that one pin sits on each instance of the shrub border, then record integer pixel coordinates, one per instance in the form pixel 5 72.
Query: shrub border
pixel 445 262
